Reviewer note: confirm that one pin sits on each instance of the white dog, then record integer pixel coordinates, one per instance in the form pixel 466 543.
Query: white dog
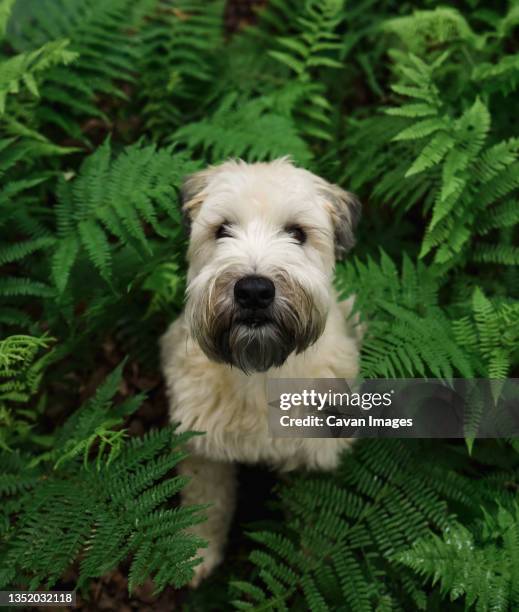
pixel 260 303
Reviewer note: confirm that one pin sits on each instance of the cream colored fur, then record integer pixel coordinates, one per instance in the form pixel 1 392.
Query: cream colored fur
pixel 230 406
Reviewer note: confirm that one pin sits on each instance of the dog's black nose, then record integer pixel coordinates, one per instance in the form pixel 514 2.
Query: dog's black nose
pixel 254 292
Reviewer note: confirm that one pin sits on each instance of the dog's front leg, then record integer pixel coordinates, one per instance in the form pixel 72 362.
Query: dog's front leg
pixel 212 482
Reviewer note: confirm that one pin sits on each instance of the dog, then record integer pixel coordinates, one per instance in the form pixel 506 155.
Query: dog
pixel 264 238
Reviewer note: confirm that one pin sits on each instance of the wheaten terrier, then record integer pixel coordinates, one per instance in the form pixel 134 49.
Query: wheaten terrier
pixel 264 238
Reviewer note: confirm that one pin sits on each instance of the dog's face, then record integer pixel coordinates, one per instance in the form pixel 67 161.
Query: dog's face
pixel 263 243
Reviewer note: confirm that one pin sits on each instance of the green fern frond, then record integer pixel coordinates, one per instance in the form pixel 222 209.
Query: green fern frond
pixel 5 13
pixel 11 286
pixel 499 254
pixel 21 371
pixel 105 53
pixel 22 70
pixel 437 27
pixel 19 250
pixel 249 130
pixel 503 76
pixel 316 47
pixel 408 333
pixel 340 532
pixel 317 39
pixel 19 350
pixel 474 176
pixel 65 508
pixel 496 331
pixel 484 573
pixel 109 202
pixel 180 44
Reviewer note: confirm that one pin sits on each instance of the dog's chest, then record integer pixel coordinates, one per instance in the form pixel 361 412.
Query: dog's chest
pixel 231 408
pixel 233 416
pixel 233 413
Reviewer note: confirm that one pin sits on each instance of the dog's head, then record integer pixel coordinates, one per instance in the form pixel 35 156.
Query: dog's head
pixel 263 242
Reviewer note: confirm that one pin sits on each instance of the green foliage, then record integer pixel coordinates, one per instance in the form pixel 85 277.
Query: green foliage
pixel 250 130
pixel 98 496
pixel 427 28
pixel 408 332
pixel 104 106
pixel 21 371
pixel 474 177
pixel 349 540
pixel 5 13
pixel 180 47
pixel 484 571
pixel 22 68
pixel 493 331
pixel 317 25
pixel 98 32
pixel 411 334
pixel 316 46
pixel 112 199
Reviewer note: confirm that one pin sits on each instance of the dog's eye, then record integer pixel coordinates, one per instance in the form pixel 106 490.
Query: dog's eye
pixel 222 231
pixel 297 232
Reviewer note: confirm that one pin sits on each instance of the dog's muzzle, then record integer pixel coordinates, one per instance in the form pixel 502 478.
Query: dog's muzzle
pixel 254 325
pixel 256 338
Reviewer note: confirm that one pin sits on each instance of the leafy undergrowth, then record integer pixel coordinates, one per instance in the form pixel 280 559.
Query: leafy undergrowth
pixel 105 105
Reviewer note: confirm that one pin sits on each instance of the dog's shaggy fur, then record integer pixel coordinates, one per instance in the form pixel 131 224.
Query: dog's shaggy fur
pixel 276 222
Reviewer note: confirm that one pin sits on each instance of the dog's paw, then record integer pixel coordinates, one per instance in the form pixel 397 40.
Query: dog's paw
pixel 210 559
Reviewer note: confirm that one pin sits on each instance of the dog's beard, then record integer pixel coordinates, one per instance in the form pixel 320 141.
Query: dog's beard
pixel 252 341
pixel 257 348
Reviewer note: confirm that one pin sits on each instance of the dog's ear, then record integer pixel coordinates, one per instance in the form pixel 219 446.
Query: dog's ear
pixel 192 194
pixel 344 209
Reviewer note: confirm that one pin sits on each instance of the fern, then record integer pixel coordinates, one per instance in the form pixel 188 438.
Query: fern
pixel 484 572
pixel 100 508
pixel 343 534
pixel 491 330
pixel 317 25
pixel 179 46
pixel 19 369
pixel 424 28
pixel 105 106
pixel 502 77
pixel 112 199
pixel 316 47
pixel 104 53
pixel 408 333
pixel 474 177
pixel 5 13
pixel 23 68
pixel 249 130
